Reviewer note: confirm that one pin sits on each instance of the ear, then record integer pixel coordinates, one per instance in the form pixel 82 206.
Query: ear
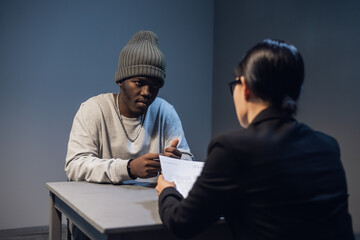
pixel 247 90
pixel 121 85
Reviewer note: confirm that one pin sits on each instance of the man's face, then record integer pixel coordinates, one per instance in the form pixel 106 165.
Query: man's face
pixel 136 95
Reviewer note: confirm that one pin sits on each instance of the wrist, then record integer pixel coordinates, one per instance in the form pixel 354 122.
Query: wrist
pixel 129 170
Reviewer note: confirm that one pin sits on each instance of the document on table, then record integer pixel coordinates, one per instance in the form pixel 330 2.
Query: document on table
pixel 183 173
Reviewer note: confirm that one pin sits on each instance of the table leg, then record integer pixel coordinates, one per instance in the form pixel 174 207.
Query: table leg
pixel 55 224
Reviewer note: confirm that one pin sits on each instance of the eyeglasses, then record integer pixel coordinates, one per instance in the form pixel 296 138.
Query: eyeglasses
pixel 232 85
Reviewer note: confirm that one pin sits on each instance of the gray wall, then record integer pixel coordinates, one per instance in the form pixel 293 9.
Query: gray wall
pixel 327 33
pixel 56 54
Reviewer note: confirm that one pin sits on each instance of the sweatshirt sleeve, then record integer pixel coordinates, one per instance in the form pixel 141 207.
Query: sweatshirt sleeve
pixel 83 161
pixel 173 130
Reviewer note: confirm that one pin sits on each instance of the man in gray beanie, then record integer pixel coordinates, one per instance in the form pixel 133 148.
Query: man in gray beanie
pixel 118 137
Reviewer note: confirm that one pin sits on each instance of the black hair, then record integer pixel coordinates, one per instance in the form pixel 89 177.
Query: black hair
pixel 274 71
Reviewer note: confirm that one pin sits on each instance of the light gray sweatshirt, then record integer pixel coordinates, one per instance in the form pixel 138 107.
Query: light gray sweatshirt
pixel 98 149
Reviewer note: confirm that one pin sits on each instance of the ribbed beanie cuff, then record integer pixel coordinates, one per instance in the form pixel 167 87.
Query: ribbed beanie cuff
pixel 141 56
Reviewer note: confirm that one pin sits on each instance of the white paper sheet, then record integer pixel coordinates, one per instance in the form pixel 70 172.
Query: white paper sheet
pixel 183 173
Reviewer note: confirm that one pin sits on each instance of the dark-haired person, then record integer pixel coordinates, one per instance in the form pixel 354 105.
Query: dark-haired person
pixel 115 137
pixel 275 179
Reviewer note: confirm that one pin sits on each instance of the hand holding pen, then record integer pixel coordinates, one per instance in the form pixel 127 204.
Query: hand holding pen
pixel 172 151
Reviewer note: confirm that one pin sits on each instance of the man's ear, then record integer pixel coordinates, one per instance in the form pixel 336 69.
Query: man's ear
pixel 120 84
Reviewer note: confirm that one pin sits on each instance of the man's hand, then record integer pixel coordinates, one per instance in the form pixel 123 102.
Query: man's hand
pixel 172 151
pixel 144 166
pixel 162 184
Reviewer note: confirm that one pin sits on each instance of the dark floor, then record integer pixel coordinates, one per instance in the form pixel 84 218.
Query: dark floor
pixel 42 233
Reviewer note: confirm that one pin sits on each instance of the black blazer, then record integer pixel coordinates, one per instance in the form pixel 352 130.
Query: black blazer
pixel 277 179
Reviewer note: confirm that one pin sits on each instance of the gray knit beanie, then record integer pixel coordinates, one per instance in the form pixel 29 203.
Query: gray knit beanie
pixel 141 56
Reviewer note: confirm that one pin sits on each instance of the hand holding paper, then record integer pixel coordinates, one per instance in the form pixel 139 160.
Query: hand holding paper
pixel 162 184
pixel 183 173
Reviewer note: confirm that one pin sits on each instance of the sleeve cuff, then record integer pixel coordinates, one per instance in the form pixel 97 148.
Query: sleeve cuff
pixel 170 191
pixel 118 171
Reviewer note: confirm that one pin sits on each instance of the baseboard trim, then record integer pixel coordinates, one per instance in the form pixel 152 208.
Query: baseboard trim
pixel 27 231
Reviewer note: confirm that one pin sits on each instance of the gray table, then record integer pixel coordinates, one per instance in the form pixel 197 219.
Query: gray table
pixel 105 211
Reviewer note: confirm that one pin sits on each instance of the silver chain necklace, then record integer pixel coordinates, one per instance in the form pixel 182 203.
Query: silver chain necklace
pixel 122 123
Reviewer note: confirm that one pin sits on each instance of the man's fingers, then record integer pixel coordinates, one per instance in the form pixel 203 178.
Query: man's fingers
pixel 174 143
pixel 152 170
pixel 152 155
pixel 173 150
pixel 175 156
pixel 172 155
pixel 152 163
pixel 150 175
pixel 176 153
